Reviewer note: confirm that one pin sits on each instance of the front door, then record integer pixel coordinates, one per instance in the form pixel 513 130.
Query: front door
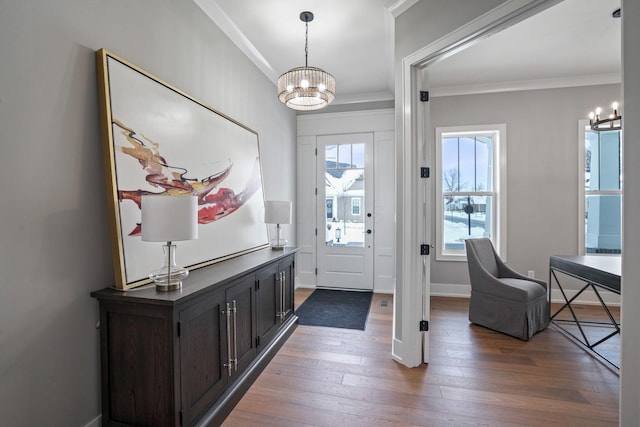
pixel 345 211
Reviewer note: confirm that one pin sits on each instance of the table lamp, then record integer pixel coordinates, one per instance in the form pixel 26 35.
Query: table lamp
pixel 168 219
pixel 277 212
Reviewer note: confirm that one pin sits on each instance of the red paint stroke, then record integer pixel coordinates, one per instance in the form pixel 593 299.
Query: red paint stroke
pixel 173 180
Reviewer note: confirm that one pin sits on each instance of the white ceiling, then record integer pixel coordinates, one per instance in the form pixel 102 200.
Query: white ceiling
pixel 576 42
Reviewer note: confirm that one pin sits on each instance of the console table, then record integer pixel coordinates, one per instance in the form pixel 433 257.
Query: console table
pixel 599 273
pixel 186 357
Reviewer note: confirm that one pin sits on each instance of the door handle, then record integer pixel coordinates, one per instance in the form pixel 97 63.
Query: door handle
pixel 369 231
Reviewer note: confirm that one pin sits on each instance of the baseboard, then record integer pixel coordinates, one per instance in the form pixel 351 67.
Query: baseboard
pixel 96 422
pixel 450 290
pixel 587 297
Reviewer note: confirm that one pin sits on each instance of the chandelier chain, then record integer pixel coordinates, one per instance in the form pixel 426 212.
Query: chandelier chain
pixel 306 44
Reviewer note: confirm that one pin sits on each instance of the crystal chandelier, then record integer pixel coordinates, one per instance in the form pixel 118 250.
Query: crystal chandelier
pixel 613 122
pixel 306 88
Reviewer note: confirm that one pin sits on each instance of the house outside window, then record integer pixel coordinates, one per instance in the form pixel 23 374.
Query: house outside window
pixel 470 188
pixel 600 192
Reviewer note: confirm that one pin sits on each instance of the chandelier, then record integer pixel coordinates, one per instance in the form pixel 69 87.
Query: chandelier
pixel 306 88
pixel 613 122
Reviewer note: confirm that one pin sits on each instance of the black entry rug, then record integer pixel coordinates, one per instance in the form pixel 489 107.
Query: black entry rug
pixel 335 309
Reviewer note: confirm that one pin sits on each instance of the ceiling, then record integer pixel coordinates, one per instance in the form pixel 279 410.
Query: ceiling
pixel 576 42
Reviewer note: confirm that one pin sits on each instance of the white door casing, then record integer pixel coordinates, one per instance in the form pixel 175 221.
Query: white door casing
pixel 310 128
pixel 409 345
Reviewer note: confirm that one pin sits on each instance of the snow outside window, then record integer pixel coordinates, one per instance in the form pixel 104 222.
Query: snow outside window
pixel 470 187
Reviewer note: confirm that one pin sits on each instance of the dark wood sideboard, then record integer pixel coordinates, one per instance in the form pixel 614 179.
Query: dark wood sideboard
pixel 186 357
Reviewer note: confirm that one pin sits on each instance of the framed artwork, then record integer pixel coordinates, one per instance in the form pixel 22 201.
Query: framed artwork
pixel 159 140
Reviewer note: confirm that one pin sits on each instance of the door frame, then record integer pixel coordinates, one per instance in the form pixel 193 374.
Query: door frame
pixel 413 287
pixel 381 123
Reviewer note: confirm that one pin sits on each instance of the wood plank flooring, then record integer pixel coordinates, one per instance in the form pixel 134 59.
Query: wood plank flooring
pixel 336 377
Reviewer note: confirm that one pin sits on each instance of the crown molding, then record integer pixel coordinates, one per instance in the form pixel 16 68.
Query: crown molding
pixel 213 10
pixel 520 85
pixel 398 7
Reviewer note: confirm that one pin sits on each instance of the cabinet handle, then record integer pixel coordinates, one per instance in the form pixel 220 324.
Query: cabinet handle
pixel 229 361
pixel 282 295
pixel 280 313
pixel 235 337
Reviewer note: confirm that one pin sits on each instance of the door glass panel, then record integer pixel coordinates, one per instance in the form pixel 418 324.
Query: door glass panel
pixel 345 193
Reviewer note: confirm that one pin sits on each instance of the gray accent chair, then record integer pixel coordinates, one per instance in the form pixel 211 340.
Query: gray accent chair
pixel 501 298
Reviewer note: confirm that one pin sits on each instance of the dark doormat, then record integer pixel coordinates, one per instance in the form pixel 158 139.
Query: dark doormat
pixel 335 309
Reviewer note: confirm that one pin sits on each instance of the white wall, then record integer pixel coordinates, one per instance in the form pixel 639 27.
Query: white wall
pixel 54 228
pixel 630 342
pixel 542 169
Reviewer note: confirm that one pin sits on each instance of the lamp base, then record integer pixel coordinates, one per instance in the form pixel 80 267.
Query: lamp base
pixel 278 243
pixel 169 282
pixel 168 287
pixel 169 277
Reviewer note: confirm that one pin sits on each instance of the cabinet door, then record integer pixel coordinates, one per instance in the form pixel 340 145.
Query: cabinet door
pixel 269 302
pixel 138 382
pixel 241 298
pixel 288 287
pixel 203 355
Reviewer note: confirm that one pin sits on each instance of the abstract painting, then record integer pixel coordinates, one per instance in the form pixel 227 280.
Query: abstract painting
pixel 159 140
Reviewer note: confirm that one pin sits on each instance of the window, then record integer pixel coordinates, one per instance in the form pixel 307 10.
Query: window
pixel 355 206
pixel 600 191
pixel 470 188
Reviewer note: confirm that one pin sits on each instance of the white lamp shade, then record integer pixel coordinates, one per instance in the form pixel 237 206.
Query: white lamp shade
pixel 169 218
pixel 277 212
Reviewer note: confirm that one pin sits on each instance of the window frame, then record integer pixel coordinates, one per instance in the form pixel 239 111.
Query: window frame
pixel 499 191
pixel 582 192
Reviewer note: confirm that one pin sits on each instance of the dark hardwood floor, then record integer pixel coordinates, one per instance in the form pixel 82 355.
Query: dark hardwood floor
pixel 339 377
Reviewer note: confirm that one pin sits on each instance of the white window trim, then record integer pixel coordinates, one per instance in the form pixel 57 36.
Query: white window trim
pixel 582 124
pixel 499 224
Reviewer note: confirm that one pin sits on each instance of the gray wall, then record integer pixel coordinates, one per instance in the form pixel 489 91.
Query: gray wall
pixel 54 228
pixel 542 168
